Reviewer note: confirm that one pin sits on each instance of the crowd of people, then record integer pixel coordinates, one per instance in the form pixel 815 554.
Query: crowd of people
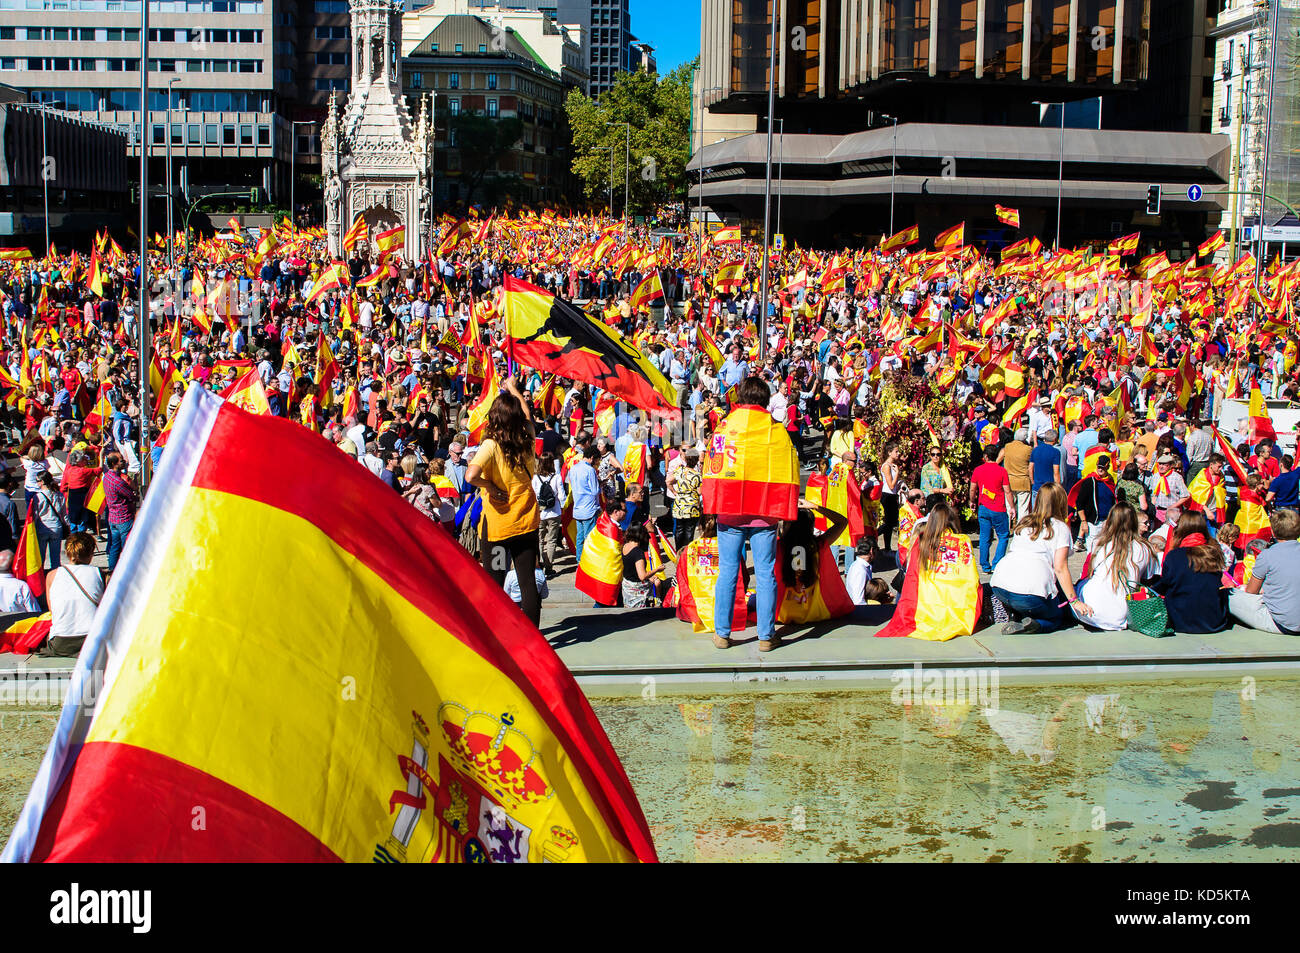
pixel 1087 419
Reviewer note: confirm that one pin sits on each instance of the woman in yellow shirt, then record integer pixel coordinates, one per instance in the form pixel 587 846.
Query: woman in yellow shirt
pixel 503 470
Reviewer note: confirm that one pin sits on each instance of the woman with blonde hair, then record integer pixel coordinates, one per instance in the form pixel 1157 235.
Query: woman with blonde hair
pixel 1119 558
pixel 941 595
pixel 1026 580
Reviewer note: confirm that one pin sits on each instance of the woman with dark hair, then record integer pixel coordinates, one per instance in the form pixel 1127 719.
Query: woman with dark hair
pixel 1119 558
pixel 808 583
pixel 78 477
pixel 503 470
pixel 941 595
pixel 639 581
pixel 1191 578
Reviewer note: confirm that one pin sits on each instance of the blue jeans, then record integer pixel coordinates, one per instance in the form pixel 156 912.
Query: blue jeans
pixel 117 533
pixel 1070 476
pixel 584 530
pixel 991 521
pixel 50 543
pixel 731 554
pixel 1045 612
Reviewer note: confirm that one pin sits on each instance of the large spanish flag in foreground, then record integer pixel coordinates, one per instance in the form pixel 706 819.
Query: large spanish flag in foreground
pixel 553 336
pixel 600 571
pixel 382 700
pixel 943 603
pixel 751 468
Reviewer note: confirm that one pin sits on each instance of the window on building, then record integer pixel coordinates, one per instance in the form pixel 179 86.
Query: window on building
pixel 492 108
pixel 193 134
pixel 492 81
pixel 263 135
pixel 453 107
pixel 228 135
pixel 210 135
pixel 417 80
pixel 245 135
pixel 8 63
pixel 177 134
pixel 159 135
pixel 453 80
pixel 460 47
pixel 482 47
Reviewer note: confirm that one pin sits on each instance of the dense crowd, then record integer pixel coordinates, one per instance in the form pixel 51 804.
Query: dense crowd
pixel 1079 393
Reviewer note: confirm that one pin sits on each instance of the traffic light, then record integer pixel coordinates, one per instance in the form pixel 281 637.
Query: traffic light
pixel 1153 200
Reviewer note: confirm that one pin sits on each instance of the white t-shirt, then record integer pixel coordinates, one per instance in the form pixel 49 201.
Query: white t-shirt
pixel 1110 605
pixel 856 579
pixel 1028 568
pixel 557 486
pixel 70 611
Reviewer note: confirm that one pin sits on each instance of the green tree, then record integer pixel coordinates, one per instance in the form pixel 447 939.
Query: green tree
pixel 483 142
pixel 658 110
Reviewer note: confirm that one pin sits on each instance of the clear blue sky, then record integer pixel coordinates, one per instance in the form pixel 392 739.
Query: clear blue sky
pixel 672 27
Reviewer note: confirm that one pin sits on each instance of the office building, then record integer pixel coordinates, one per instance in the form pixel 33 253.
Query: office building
pixel 930 111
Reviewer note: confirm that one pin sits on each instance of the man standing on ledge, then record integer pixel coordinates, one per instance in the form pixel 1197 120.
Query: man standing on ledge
pixel 751 481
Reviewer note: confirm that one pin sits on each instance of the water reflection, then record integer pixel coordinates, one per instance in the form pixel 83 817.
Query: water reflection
pixel 1203 770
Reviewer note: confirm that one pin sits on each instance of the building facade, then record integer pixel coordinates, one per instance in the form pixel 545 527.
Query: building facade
pixel 1244 84
pixel 931 111
pixel 76 167
pixel 475 68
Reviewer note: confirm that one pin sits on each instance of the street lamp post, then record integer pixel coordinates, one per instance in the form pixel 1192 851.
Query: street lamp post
pixel 767 193
pixel 143 317
pixel 780 175
pixel 171 217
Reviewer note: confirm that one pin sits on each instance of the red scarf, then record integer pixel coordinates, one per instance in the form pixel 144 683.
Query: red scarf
pixel 1192 539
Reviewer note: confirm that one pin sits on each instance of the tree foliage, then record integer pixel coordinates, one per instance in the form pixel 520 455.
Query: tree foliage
pixel 658 110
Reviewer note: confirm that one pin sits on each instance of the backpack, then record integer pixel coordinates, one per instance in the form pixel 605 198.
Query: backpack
pixel 546 494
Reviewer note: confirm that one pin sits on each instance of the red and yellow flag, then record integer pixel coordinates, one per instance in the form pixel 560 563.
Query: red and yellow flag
pixel 951 239
pixel 1261 424
pixel 390 240
pixel 1126 245
pixel 727 235
pixel 247 392
pixel 908 236
pixel 648 289
pixel 1007 216
pixel 941 603
pixel 1211 244
pixel 709 346
pixel 431 723
pixel 697 578
pixel 29 564
pixel 355 234
pixel 478 411
pixel 1251 519
pixel 824 599
pixel 751 468
pixel 26 635
pixel 600 571
pixel 335 276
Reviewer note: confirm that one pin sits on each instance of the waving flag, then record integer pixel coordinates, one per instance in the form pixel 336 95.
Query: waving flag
pixel 648 289
pixel 478 411
pixel 727 235
pixel 908 236
pixel 600 570
pixel 1211 244
pixel 708 346
pixel 729 276
pixel 26 635
pixel 331 278
pixel 1007 216
pixel 552 335
pixel 430 721
pixel 1127 245
pixel 751 468
pixel 390 240
pixel 247 392
pixel 355 234
pixel 951 239
pixel 1261 424
pixel 29 564
pixel 1252 518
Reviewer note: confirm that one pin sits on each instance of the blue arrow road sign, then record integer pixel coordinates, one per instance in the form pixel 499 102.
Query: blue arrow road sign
pixel 1194 193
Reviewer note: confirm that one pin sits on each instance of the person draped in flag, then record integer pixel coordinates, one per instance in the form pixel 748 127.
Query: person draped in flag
pixel 751 482
pixel 941 597
pixel 809 587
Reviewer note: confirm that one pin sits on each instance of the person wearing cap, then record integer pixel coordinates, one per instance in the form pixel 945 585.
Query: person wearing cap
pixel 1040 420
pixel 1167 486
pixel 1093 497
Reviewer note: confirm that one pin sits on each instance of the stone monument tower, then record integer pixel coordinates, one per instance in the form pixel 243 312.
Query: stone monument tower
pixel 377 162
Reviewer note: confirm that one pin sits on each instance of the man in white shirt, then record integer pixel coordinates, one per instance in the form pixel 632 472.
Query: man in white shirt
pixel 859 574
pixel 15 594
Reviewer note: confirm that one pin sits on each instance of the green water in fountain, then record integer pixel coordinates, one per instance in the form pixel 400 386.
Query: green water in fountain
pixel 1194 770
